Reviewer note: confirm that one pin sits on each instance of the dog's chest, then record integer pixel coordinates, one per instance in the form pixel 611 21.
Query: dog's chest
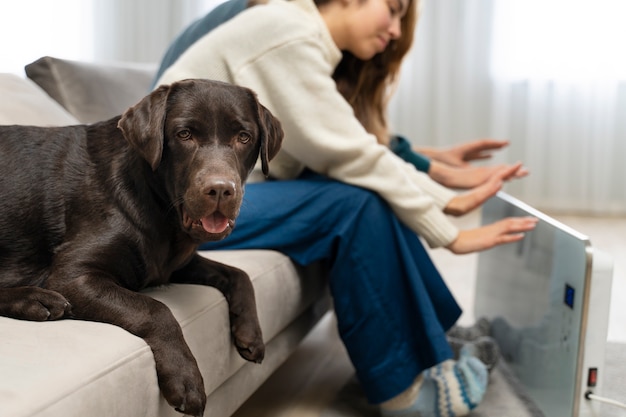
pixel 163 260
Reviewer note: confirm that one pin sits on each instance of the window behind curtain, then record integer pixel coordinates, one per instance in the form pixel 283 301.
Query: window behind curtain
pixel 548 75
pixel 564 40
pixel 92 30
pixel 30 29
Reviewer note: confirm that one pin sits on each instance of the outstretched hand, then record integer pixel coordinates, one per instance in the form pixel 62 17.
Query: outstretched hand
pixel 469 200
pixel 471 176
pixel 460 155
pixel 504 231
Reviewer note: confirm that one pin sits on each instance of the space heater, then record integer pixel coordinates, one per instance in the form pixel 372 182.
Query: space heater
pixel 547 297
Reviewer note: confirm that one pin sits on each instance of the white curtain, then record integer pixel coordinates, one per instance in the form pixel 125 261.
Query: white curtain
pixel 141 30
pixel 549 75
pixel 546 74
pixel 92 30
pixel 30 29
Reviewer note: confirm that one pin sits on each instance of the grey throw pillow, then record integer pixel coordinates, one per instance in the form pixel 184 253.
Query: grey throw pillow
pixel 89 91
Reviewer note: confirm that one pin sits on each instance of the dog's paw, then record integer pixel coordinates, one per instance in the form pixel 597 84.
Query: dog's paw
pixel 184 390
pixel 253 352
pixel 249 342
pixel 38 304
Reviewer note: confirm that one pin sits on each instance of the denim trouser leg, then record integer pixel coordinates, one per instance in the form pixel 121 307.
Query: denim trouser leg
pixel 392 306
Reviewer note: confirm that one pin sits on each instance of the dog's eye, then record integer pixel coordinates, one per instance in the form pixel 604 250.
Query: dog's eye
pixel 184 135
pixel 244 137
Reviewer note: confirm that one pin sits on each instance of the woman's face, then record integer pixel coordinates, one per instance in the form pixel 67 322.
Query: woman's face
pixel 372 24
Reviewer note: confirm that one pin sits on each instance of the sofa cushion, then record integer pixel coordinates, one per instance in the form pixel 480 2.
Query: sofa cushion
pixel 92 92
pixel 24 103
pixel 77 368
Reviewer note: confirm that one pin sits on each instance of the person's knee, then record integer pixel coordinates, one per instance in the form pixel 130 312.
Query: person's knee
pixel 360 208
pixel 364 200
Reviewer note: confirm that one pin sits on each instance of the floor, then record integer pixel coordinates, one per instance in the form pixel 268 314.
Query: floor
pixel 310 379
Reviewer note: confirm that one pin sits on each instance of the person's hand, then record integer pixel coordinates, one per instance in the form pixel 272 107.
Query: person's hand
pixel 507 230
pixel 469 200
pixel 460 155
pixel 470 177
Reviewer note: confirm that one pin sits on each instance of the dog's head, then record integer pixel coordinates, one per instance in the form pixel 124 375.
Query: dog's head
pixel 202 138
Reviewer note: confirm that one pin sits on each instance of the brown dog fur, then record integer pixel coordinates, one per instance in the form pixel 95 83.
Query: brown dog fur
pixel 91 214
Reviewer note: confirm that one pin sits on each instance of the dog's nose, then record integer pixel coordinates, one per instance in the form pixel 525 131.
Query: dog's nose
pixel 221 189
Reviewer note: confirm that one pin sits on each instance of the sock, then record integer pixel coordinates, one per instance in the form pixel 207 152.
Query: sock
pixel 406 398
pixel 449 389
pixel 481 328
pixel 485 348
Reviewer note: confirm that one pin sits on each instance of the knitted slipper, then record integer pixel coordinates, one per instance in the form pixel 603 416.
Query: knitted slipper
pixel 485 348
pixel 449 389
pixel 481 328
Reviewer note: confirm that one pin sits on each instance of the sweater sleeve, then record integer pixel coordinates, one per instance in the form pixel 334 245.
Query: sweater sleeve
pixel 402 147
pixel 321 132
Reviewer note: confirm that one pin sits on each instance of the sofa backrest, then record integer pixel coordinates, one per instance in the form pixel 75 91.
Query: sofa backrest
pixel 92 92
pixel 25 103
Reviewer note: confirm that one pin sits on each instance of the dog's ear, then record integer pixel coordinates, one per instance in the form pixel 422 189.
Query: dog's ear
pixel 271 137
pixel 142 125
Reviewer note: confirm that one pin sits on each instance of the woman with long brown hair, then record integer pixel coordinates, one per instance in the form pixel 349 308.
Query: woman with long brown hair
pixel 340 195
pixel 449 166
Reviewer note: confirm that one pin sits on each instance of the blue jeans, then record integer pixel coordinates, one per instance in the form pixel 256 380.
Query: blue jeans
pixel 392 306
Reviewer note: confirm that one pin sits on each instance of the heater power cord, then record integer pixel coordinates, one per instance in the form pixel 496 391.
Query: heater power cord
pixel 591 396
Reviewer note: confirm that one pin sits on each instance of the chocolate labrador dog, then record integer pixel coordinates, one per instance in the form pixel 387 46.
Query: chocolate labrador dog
pixel 90 215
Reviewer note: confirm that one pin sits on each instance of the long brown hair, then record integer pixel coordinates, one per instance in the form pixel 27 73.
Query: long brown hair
pixel 367 85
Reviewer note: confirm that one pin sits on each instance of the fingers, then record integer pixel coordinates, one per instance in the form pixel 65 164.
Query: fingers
pixel 521 173
pixel 505 231
pixel 468 201
pixel 502 240
pixel 473 198
pixel 517 224
pixel 480 194
pixel 480 145
pixel 507 172
pixel 482 148
pixel 464 177
pixel 470 177
pixel 512 230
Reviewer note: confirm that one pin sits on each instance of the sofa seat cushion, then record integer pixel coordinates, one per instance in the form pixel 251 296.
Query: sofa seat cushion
pixel 24 103
pixel 282 292
pixel 77 368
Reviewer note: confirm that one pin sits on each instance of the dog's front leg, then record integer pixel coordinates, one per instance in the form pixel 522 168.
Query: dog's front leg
pixel 237 288
pixel 33 303
pixel 97 297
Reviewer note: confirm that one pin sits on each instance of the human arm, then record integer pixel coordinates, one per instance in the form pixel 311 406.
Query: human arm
pixel 460 155
pixel 487 182
pixel 505 231
pixel 402 147
pixel 322 133
pixel 490 179
pixel 448 175
pixel 291 69
pixel 471 176
pixel 508 230
pixel 465 202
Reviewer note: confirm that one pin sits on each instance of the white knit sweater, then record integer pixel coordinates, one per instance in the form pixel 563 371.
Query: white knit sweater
pixel 284 52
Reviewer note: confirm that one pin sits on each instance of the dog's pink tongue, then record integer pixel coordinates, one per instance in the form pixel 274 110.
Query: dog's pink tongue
pixel 215 223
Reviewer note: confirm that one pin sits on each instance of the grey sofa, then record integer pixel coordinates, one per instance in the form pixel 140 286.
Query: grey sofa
pixel 75 368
